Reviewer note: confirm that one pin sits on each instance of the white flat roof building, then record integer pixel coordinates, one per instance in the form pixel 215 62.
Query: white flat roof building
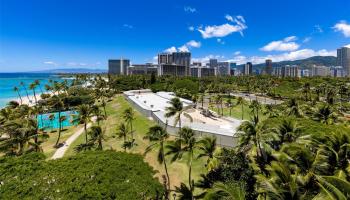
pixel 154 105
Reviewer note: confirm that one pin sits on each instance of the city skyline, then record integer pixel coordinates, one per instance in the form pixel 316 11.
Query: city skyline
pixel 39 35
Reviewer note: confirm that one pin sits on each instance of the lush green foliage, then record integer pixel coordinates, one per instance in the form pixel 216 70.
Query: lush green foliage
pixel 88 175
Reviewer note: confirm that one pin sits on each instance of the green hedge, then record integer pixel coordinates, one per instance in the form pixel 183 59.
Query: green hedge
pixel 89 175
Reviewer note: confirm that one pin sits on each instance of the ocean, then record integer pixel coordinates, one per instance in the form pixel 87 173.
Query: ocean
pixel 9 80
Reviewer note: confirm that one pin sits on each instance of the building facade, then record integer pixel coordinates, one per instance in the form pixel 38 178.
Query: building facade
pixel 248 68
pixel 223 69
pixel 343 59
pixel 268 67
pixel 147 68
pixel 118 66
pixel 171 70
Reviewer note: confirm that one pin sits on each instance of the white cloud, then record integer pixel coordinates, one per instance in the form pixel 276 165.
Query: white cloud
pixel 347 46
pixel 318 28
pixel 224 29
pixel 343 27
pixel 307 39
pixel 184 48
pixel 50 63
pixel 207 58
pixel 128 26
pixel 290 39
pixel 191 28
pixel 229 18
pixel 190 9
pixel 286 44
pixel 294 55
pixel 170 50
pixel 236 53
pixel 194 44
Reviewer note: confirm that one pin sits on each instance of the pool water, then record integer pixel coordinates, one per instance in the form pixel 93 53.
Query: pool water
pixel 44 121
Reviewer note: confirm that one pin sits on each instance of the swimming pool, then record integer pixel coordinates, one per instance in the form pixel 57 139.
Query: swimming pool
pixel 44 121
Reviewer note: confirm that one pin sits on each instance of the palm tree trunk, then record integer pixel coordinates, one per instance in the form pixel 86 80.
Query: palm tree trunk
pixel 36 101
pixel 165 166
pixel 242 111
pixel 59 128
pixel 190 172
pixel 100 144
pixel 124 143
pixel 86 137
pixel 19 95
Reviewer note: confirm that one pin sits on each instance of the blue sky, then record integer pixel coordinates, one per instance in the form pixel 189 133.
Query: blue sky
pixel 37 34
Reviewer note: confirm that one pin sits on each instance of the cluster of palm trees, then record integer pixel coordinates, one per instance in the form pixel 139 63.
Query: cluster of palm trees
pixel 125 130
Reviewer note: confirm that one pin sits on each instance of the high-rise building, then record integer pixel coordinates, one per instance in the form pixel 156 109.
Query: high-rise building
pixel 223 69
pixel 183 59
pixel 147 68
pixel 343 59
pixel 118 66
pixel 176 58
pixel 268 67
pixel 248 68
pixel 319 71
pixel 165 58
pixel 213 63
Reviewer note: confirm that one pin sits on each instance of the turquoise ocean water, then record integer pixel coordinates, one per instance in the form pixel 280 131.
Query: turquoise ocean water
pixel 9 80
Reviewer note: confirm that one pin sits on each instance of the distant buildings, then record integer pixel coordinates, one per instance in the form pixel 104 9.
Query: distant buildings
pixel 287 71
pixel 248 68
pixel 213 63
pixel 118 66
pixel 179 64
pixel 223 69
pixel 141 69
pixel 268 66
pixel 178 60
pixel 343 59
pixel 320 71
pixel 172 70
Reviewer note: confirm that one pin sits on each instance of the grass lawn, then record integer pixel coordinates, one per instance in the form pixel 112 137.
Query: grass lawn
pixel 48 145
pixel 236 111
pixel 178 170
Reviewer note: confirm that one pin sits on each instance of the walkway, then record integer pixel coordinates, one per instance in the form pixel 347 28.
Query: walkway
pixel 62 150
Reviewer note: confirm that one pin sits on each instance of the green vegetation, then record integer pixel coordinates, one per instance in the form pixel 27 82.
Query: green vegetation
pixel 89 175
pixel 297 149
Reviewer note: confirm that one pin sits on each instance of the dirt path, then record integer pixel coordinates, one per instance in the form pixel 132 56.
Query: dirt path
pixel 60 151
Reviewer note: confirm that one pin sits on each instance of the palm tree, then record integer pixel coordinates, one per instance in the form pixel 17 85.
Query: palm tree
pixel 123 132
pixel 32 86
pixel 51 118
pixel 208 148
pixel 25 89
pixel 96 135
pixel 241 101
pixel 186 143
pixel 176 109
pixel 325 114
pixel 255 106
pixel 288 131
pixel 281 184
pixel 58 105
pixel 293 108
pixel 19 95
pixel 129 117
pixel 226 191
pixel 185 193
pixel 158 136
pixel 84 117
pixel 37 82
